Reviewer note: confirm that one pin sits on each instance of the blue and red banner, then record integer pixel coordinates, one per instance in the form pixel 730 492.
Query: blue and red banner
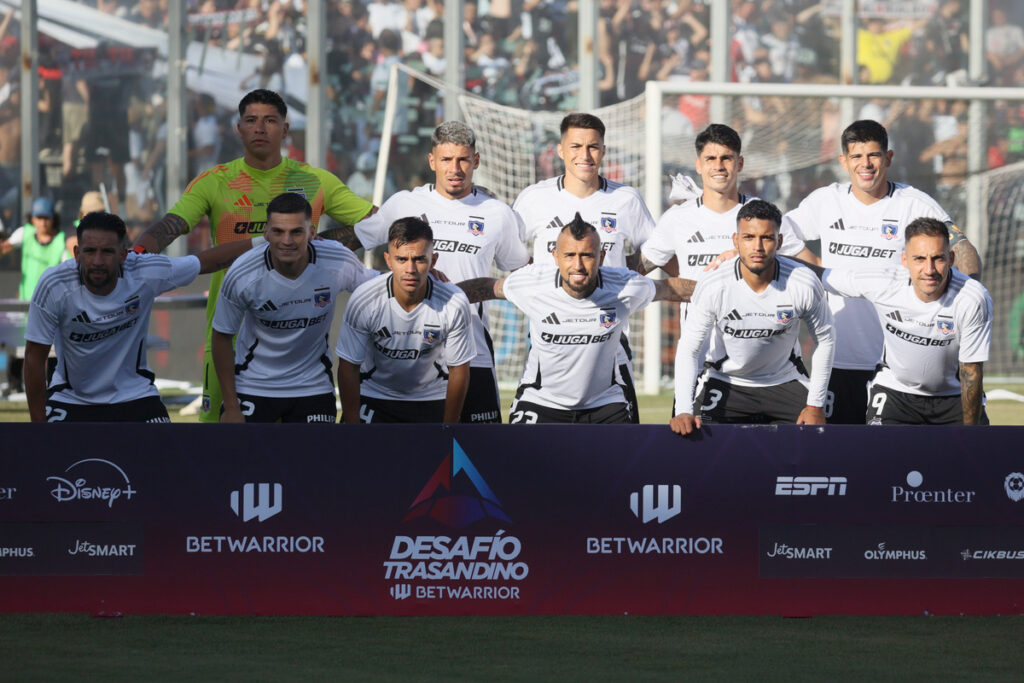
pixel 525 519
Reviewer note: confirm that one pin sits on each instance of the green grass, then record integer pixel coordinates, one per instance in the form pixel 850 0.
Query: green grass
pixel 66 647
pixel 653 409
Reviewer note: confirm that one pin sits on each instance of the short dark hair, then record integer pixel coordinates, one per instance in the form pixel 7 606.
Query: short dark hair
pixel 932 227
pixel 865 130
pixel 290 202
pixel 410 229
pixel 578 228
pixel 588 121
pixel 101 220
pixel 719 134
pixel 262 96
pixel 759 209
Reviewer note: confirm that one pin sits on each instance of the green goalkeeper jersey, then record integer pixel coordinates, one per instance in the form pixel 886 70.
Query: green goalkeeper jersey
pixel 235 197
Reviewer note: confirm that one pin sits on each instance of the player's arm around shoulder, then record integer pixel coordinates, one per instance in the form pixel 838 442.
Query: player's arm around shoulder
pixel 674 289
pixel 483 289
pixel 222 256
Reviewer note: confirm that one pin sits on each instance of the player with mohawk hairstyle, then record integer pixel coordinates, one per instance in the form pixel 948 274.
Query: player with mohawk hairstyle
pixel 578 310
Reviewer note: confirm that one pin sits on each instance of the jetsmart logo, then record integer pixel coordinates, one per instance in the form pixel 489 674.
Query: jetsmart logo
pixel 257 501
pixel 661 502
pixel 883 553
pixel 913 493
pixel 810 486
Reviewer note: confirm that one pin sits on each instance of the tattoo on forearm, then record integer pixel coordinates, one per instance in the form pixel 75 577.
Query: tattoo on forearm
pixel 345 234
pixel 646 265
pixel 967 260
pixel 170 227
pixel 970 392
pixel 676 289
pixel 480 289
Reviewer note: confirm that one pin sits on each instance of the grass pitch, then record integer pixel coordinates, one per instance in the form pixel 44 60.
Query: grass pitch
pixel 66 647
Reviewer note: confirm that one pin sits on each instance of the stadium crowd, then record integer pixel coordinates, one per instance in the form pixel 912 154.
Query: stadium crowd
pixel 102 109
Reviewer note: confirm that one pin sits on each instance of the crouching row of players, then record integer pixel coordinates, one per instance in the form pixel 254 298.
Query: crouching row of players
pixel 407 337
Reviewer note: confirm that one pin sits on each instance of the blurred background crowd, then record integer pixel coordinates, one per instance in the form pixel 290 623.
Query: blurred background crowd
pixel 102 108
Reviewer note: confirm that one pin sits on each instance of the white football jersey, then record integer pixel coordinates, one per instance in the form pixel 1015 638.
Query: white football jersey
pixel 283 324
pixel 924 341
pixel 470 234
pixel 696 235
pixel 857 235
pixel 405 355
pixel 574 342
pixel 100 341
pixel 616 210
pixel 755 334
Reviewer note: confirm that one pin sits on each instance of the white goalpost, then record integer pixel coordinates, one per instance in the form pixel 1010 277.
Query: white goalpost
pixel 785 128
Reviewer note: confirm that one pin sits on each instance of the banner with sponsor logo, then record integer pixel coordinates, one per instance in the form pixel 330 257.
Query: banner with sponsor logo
pixel 499 519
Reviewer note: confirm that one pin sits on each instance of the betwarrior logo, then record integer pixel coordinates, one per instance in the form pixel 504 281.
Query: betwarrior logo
pixel 259 501
pixel 916 494
pixel 92 479
pixel 661 502
pixel 456 497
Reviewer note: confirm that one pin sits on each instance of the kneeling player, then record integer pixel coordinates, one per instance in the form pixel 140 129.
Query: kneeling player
pixel 936 327
pixel 95 310
pixel 752 305
pixel 281 297
pixel 406 341
pixel 578 312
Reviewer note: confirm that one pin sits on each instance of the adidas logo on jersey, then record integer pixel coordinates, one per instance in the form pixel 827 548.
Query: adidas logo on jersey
pixel 557 223
pixel 267 306
pixel 551 320
pixel 244 202
pixel 82 317
pixel 382 333
pixel 895 315
pixel 697 237
pixel 734 315
pixel 838 225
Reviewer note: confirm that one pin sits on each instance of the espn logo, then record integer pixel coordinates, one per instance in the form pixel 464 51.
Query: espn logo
pixel 810 486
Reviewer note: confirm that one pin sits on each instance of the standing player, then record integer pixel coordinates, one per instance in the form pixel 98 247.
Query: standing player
pixel 235 197
pixel 861 224
pixel 691 237
pixel 96 309
pixel 578 312
pixel 406 340
pixel 937 329
pixel 282 297
pixel 617 210
pixel 472 230
pixel 752 305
